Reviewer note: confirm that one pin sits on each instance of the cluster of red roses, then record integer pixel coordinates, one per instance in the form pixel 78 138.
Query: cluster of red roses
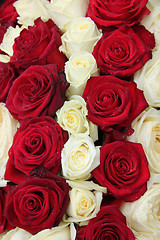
pixel 33 86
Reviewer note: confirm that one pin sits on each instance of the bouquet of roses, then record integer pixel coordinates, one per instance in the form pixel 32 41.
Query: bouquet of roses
pixel 80 125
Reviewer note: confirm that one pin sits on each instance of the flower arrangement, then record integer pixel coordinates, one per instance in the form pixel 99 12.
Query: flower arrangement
pixel 80 120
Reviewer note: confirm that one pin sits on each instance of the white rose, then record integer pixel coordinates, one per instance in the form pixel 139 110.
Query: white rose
pixel 148 80
pixel 147 132
pixel 8 39
pixel 18 234
pixel 60 232
pixel 152 23
pixel 85 201
pixel 8 127
pixel 78 70
pixel 79 157
pixel 72 117
pixel 143 215
pixel 28 11
pixel 63 11
pixel 81 35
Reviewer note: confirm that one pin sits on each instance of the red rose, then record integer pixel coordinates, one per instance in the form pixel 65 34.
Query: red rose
pixel 115 13
pixel 37 142
pixel 38 203
pixel 111 101
pixel 39 90
pixel 38 45
pixel 7 76
pixel 124 51
pixel 123 170
pixel 109 223
pixel 8 14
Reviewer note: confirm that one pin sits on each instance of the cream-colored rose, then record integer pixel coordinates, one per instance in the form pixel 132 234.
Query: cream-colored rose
pixel 81 35
pixel 8 127
pixel 63 11
pixel 147 132
pixel 72 117
pixel 79 157
pixel 143 215
pixel 8 39
pixel 58 233
pixel 85 201
pixel 28 11
pixel 4 58
pixel 78 70
pixel 148 80
pixel 17 234
pixel 152 23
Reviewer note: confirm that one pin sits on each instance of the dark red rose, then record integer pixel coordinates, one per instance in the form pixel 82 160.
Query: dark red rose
pixel 115 13
pixel 7 76
pixel 38 142
pixel 39 90
pixel 38 45
pixel 111 101
pixel 2 32
pixel 123 170
pixel 39 202
pixel 8 14
pixel 109 223
pixel 124 51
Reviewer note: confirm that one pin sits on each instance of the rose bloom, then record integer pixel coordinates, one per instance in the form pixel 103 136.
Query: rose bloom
pixel 79 157
pixel 111 101
pixel 7 73
pixel 38 45
pixel 8 14
pixel 109 223
pixel 38 142
pixel 147 80
pixel 60 232
pixel 78 70
pixel 39 90
pixel 72 117
pixel 35 8
pixel 81 35
pixel 17 233
pixel 8 127
pixel 39 202
pixel 113 13
pixel 124 51
pixel 62 11
pixel 123 170
pixel 85 201
pixel 147 132
pixel 143 214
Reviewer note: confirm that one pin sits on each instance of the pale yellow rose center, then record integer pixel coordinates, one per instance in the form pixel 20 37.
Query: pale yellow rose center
pixel 72 120
pixel 84 204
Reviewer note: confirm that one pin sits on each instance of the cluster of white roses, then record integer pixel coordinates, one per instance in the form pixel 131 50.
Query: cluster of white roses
pixel 143 215
pixel 80 155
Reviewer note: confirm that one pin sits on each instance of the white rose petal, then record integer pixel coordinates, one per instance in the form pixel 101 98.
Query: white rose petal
pixel 4 58
pixel 147 79
pixel 147 132
pixel 81 35
pixel 8 39
pixel 8 127
pixel 143 215
pixel 28 11
pixel 63 11
pixel 78 70
pixel 79 157
pixel 72 117
pixel 60 232
pixel 84 204
pixel 17 234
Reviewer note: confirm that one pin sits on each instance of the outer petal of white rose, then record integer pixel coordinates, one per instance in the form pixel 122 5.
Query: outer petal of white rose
pixel 60 232
pixel 4 58
pixel 62 11
pixel 35 8
pixel 18 234
pixel 8 39
pixel 8 127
